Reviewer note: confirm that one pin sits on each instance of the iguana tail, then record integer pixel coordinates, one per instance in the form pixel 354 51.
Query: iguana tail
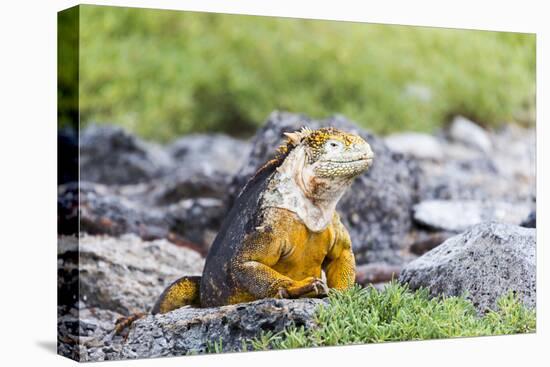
pixel 182 292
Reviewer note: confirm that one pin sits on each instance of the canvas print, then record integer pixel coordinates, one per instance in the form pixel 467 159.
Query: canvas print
pixel 235 183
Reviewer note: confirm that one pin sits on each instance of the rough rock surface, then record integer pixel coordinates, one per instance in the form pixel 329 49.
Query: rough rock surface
pixel 376 209
pixel 110 155
pixel 123 274
pixel 101 279
pixel 179 185
pixel 120 276
pixel 86 334
pixel 485 262
pixel 457 216
pixel 130 186
pixel 210 153
pixel 104 212
pixel 195 330
pixel 116 211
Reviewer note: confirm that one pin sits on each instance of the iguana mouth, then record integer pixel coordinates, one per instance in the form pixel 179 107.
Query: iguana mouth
pixel 353 159
pixel 356 160
pixel 343 168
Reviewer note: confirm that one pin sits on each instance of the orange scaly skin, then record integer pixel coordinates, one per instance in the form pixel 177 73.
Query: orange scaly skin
pixel 284 258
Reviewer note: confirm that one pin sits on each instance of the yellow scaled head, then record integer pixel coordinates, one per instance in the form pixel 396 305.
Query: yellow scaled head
pixel 333 153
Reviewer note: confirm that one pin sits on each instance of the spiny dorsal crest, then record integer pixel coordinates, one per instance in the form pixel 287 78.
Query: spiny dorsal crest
pixel 296 137
pixel 293 139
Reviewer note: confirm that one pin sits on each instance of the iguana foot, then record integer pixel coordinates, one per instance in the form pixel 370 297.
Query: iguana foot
pixel 309 287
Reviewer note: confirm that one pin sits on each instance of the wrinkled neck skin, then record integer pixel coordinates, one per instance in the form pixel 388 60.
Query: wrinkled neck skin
pixel 296 188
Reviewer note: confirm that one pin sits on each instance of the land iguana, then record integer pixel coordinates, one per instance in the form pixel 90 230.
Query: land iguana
pixel 283 229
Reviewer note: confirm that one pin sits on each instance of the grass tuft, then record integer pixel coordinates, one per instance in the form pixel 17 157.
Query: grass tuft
pixel 367 315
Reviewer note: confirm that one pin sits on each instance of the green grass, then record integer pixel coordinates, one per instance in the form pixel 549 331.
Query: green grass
pixel 166 73
pixel 366 315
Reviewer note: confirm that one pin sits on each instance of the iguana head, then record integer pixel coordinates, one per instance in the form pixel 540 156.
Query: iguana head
pixel 313 170
pixel 332 153
pixel 324 162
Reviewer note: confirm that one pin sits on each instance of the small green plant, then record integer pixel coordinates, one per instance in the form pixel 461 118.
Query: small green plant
pixel 367 315
pixel 215 346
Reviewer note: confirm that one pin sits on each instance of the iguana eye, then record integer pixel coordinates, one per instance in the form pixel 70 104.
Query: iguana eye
pixel 331 144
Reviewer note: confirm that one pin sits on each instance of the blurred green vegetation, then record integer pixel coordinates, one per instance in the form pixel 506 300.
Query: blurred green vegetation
pixel 67 67
pixel 165 73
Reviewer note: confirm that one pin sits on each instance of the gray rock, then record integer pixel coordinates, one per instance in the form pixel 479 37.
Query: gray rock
pixel 101 279
pixel 131 209
pixel 515 160
pixel 470 134
pixel 417 145
pixel 484 262
pixel 86 334
pixel 204 167
pixel 472 179
pixel 198 220
pixel 180 184
pixel 209 153
pixel 531 221
pixel 376 209
pixel 110 155
pixel 118 276
pixel 376 273
pixel 507 174
pixel 424 240
pixel 515 152
pixel 457 215
pixel 195 330
pixel 192 166
pixel 102 211
pixel 125 274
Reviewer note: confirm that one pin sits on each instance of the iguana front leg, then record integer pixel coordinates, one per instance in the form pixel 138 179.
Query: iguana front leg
pixel 309 287
pixel 253 271
pixel 262 281
pixel 339 265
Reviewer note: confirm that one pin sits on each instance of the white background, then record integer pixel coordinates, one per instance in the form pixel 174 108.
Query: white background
pixel 28 182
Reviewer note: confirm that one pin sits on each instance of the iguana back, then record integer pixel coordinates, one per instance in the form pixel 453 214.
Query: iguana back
pixel 216 283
